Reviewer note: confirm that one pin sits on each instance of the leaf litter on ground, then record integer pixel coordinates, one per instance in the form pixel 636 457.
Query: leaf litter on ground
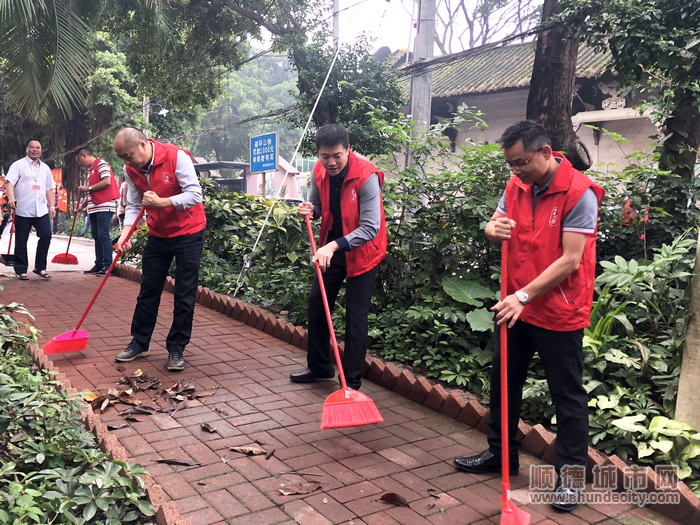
pixel 181 462
pixel 301 488
pixel 392 497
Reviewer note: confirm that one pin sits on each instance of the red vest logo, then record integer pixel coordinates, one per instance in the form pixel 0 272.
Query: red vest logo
pixel 166 177
pixel 353 196
pixel 554 216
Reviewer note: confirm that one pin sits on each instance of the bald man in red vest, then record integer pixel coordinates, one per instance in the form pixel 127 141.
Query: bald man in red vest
pixel 161 177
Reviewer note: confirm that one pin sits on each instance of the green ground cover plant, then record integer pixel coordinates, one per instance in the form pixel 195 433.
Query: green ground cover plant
pixel 51 469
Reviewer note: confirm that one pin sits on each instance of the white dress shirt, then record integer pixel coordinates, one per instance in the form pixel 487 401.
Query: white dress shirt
pixel 186 177
pixel 31 181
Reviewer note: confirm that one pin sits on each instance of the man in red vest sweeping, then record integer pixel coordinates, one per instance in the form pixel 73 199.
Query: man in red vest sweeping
pixel 346 194
pixel 101 202
pixel 161 177
pixel 549 216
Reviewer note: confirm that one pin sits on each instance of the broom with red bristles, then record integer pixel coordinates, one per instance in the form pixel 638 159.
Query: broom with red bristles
pixel 76 340
pixel 346 407
pixel 67 258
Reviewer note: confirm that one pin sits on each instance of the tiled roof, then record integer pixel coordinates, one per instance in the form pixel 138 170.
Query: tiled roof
pixel 506 67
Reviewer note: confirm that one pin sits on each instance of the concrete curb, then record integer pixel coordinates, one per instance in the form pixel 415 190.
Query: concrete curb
pixel 536 440
pixel 166 512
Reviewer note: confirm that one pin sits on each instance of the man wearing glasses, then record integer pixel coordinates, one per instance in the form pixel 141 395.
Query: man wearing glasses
pixel 549 215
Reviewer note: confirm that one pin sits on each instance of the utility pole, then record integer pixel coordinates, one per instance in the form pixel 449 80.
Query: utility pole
pixel 336 22
pixel 422 80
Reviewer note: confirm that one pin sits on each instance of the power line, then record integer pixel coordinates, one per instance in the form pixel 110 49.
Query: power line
pixel 275 113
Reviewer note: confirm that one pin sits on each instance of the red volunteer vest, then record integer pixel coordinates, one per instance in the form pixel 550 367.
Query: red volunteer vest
pixel 536 242
pixel 110 193
pixel 62 200
pixel 365 257
pixel 167 222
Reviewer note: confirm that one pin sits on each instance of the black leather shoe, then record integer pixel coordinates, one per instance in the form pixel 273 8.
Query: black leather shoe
pixel 176 360
pixel 132 351
pixel 565 500
pixel 484 463
pixel 307 376
pixel 93 270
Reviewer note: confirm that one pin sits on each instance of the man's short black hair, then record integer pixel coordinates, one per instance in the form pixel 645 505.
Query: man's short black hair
pixel 532 134
pixel 85 149
pixel 33 140
pixel 332 135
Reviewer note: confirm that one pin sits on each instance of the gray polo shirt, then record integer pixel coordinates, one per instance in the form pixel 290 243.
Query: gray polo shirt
pixel 583 217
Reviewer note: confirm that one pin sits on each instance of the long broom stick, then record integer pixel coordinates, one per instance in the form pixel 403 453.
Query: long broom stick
pixel 346 407
pixel 510 514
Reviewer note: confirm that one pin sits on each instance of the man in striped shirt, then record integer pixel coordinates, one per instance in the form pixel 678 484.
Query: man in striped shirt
pixel 101 203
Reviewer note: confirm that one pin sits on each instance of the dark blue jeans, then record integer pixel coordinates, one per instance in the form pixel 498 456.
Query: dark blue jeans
pixel 99 226
pixel 23 225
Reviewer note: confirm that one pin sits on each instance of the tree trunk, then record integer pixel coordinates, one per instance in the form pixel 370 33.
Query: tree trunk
pixel 680 150
pixel 552 88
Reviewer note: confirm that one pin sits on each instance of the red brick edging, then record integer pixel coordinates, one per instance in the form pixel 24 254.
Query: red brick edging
pixel 535 439
pixel 166 511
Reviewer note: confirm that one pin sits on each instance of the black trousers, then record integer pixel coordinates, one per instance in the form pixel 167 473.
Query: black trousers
pixel 23 225
pixel 561 355
pixel 157 257
pixel 358 299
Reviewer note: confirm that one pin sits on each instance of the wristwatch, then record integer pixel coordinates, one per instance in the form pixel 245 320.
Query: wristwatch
pixel 89 189
pixel 523 297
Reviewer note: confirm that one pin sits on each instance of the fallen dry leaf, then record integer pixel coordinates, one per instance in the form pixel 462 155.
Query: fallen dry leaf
pixel 301 488
pixel 181 462
pixel 88 395
pixel 203 394
pixel 222 412
pixel 113 392
pixel 436 496
pixel 392 497
pixel 129 400
pixel 132 418
pixel 208 428
pixel 120 368
pixel 255 450
pixel 431 506
pixel 201 484
pixel 117 427
pixel 100 403
pixel 137 373
pixel 270 454
pixel 141 409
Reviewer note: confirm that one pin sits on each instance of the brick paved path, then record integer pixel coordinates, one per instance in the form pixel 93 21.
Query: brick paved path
pixel 410 453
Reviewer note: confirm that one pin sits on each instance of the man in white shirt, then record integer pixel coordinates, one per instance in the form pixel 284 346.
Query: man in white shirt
pixel 30 191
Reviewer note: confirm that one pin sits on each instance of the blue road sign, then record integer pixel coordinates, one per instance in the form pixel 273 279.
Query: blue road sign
pixel 263 153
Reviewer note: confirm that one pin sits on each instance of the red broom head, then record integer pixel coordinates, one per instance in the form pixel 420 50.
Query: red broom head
pixel 65 258
pixel 72 341
pixel 349 408
pixel 512 515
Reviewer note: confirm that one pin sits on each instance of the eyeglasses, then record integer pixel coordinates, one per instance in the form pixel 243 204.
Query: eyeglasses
pixel 517 166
